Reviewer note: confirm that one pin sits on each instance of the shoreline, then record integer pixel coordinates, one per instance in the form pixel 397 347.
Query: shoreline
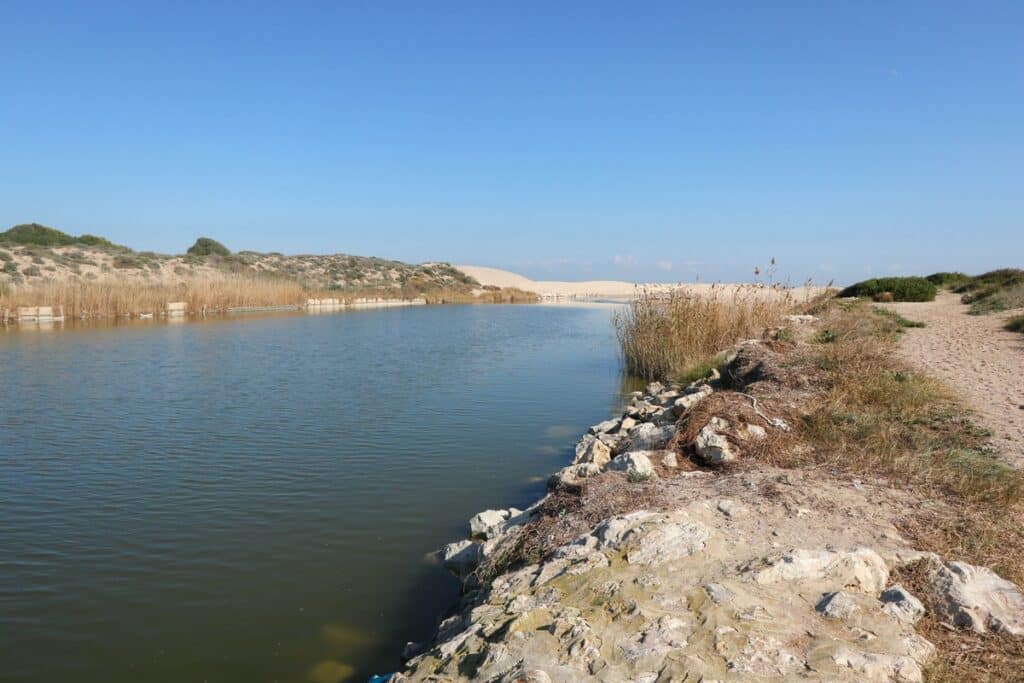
pixel 685 562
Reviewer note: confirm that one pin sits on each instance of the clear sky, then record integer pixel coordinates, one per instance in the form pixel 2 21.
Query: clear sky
pixel 651 141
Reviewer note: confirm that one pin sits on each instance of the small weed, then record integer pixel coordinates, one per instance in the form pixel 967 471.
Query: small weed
pixel 825 337
pixel 637 477
pixel 897 318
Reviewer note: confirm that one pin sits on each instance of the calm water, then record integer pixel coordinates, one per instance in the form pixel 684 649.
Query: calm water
pixel 253 500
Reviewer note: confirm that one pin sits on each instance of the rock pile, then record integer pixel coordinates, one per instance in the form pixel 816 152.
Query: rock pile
pixel 728 582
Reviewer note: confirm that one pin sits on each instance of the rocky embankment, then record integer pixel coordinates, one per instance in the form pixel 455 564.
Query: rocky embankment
pixel 702 570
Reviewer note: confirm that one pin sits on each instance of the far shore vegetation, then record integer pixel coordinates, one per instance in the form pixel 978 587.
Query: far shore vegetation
pixel 91 277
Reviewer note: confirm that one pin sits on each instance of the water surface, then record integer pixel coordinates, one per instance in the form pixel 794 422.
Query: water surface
pixel 253 500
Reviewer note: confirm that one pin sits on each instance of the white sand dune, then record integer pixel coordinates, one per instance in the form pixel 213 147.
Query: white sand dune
pixel 613 289
pixel 552 288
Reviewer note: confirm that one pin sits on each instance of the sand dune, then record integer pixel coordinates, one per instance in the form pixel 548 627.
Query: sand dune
pixel 615 289
pixel 554 288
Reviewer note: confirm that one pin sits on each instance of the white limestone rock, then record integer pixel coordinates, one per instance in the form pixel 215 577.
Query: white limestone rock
pixel 861 569
pixel 635 463
pixel 647 436
pixel 976 598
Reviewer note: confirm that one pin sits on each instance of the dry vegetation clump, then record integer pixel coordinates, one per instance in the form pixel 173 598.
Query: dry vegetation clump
pixel 876 415
pixel 669 334
pixel 567 513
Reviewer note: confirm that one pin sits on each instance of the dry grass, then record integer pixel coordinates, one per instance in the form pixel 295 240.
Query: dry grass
pixel 871 415
pixel 878 416
pixel 114 297
pixel 666 334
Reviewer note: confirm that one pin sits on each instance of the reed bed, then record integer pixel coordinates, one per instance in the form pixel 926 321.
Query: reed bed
pixel 123 298
pixel 668 334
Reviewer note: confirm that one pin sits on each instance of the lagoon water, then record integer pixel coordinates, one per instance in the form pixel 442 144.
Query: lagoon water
pixel 255 500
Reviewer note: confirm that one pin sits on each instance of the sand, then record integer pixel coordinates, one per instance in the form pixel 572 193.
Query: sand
pixel 613 289
pixel 978 358
pixel 551 288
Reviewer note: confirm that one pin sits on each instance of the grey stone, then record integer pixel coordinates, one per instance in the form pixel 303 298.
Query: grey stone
pixel 837 605
pixel 899 603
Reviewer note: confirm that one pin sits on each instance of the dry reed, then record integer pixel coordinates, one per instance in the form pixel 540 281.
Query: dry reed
pixel 116 298
pixel 668 333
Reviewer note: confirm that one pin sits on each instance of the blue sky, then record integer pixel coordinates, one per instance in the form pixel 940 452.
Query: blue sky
pixel 631 140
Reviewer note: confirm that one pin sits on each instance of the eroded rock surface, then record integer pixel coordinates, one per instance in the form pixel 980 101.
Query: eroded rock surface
pixel 697 593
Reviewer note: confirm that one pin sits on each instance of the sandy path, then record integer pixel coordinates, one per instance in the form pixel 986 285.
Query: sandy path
pixel 978 358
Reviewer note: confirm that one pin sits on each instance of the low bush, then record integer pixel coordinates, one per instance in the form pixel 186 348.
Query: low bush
pixel 900 288
pixel 41 235
pixel 204 246
pixel 943 279
pixel 1015 324
pixel 997 290
pixel 125 262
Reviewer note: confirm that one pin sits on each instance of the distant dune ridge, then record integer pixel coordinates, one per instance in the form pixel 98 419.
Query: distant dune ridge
pixel 617 289
pixel 553 288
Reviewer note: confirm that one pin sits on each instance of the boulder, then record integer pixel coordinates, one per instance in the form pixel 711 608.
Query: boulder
pixel 647 436
pixel 617 442
pixel 899 603
pixel 461 557
pixel 595 451
pixel 692 398
pixel 669 459
pixel 626 424
pixel 483 524
pixel 604 427
pixel 976 598
pixel 655 388
pixel 571 475
pixel 633 462
pixel 711 445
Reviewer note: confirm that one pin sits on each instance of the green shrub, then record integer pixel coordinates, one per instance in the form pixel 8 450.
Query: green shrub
pixel 901 288
pixel 997 290
pixel 943 279
pixel 5 256
pixel 31 271
pixel 205 246
pixel 10 267
pixel 41 235
pixel 1015 324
